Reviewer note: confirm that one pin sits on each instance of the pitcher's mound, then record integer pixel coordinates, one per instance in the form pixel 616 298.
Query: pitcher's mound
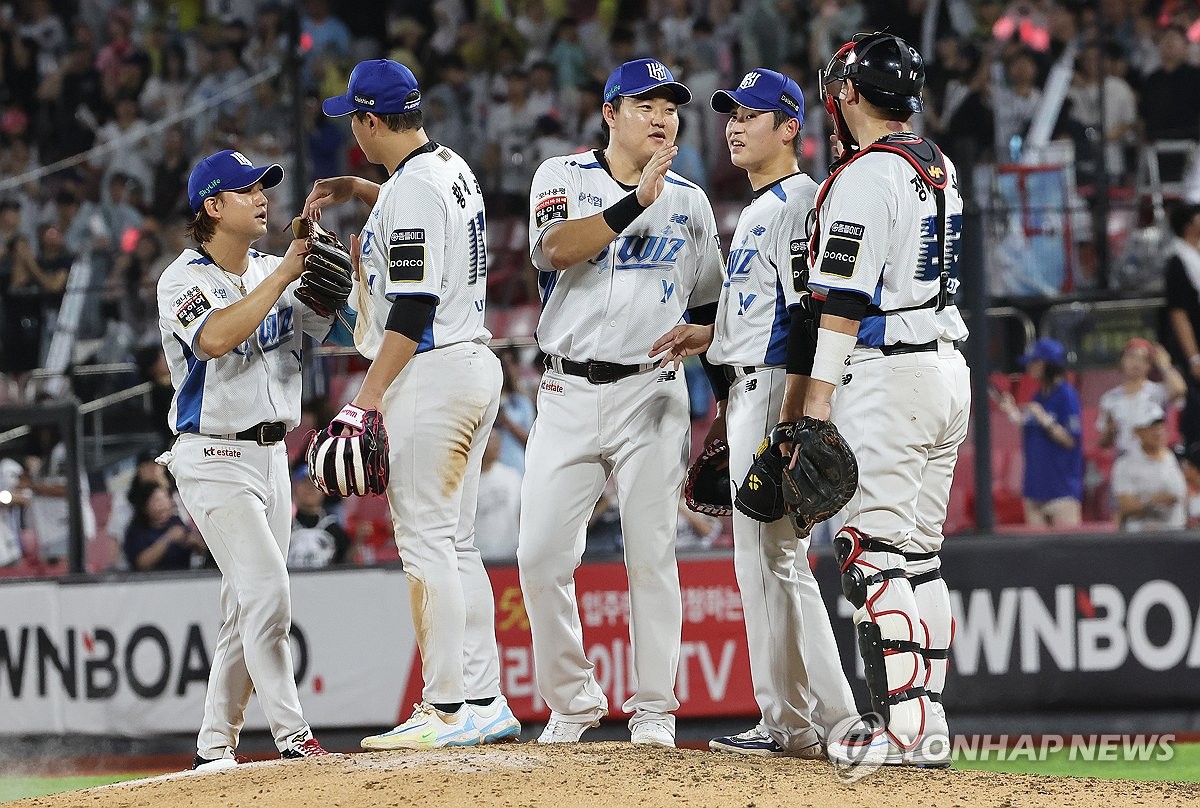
pixel 605 775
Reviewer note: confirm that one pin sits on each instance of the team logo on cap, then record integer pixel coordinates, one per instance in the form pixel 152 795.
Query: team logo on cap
pixel 789 102
pixel 208 189
pixel 413 102
pixel 750 80
pixel 657 71
pixel 241 158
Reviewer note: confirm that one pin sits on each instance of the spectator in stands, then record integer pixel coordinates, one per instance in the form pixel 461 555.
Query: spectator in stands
pixel 536 27
pixel 507 157
pixel 46 29
pixel 47 512
pixel 1014 105
pixel 549 140
pixel 133 151
pixel 73 100
pixel 31 301
pixel 1181 331
pixel 224 72
pixel 1189 463
pixel 965 119
pixel 157 538
pixel 1120 104
pixel 1148 484
pixel 543 89
pixel 168 197
pixel 516 413
pixel 568 56
pixel 1121 406
pixel 268 43
pixel 124 487
pixel 326 140
pixel 329 36
pixel 121 217
pixel 458 95
pixel 13 496
pixel 1170 95
pixel 166 91
pixel 1052 433
pixel 318 538
pixel 19 72
pixel 498 516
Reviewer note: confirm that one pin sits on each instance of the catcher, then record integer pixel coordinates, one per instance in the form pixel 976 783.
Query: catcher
pixel 762 334
pixel 233 321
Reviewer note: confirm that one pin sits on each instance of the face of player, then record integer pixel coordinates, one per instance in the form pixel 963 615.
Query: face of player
pixel 243 213
pixel 753 140
pixel 642 126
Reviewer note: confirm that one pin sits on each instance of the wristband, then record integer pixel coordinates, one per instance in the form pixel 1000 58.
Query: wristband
pixel 622 214
pixel 833 348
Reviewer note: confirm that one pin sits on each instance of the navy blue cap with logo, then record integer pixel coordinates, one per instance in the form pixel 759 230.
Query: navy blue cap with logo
pixel 377 85
pixel 763 89
pixel 640 77
pixel 228 170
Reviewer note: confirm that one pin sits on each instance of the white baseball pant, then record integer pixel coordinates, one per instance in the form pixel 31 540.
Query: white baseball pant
pixel 637 430
pixel 439 412
pixel 794 662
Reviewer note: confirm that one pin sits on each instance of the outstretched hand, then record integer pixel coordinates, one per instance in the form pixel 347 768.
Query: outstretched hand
pixel 682 341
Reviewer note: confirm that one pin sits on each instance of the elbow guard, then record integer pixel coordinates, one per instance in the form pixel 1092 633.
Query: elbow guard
pixel 410 315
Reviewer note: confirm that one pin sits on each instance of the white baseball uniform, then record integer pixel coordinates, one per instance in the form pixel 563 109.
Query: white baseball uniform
pixel 237 491
pixel 904 400
pixel 425 236
pixel 794 662
pixel 610 308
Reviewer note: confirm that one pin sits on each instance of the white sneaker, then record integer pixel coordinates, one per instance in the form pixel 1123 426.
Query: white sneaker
pixel 559 730
pixel 496 721
pixel 223 763
pixel 428 728
pixel 653 732
pixel 879 749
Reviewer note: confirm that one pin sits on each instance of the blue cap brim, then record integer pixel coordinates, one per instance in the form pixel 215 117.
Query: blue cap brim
pixel 338 106
pixel 269 176
pixel 726 100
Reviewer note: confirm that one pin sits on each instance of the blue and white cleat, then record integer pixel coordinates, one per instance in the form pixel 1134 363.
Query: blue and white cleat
pixel 428 728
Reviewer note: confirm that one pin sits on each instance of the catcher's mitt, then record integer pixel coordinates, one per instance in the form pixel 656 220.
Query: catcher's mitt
pixel 825 474
pixel 707 487
pixel 760 495
pixel 328 272
pixel 350 456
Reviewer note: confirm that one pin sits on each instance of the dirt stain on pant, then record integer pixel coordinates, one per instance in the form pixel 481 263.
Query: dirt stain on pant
pixel 453 465
pixel 418 599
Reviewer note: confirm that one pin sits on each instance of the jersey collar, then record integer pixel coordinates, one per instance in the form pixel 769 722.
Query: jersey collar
pixel 429 147
pixel 604 163
pixel 779 181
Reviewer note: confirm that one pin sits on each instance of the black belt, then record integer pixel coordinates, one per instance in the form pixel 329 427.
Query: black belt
pixel 908 347
pixel 263 434
pixel 731 371
pixel 595 372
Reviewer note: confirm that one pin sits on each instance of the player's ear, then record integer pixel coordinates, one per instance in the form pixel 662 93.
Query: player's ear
pixel 212 206
pixel 609 113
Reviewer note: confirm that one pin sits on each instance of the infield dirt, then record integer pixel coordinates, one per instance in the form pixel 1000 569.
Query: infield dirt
pixel 607 774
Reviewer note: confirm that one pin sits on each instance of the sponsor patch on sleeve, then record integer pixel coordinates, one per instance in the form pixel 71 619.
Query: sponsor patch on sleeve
pixel 847 229
pixel 840 253
pixel 799 250
pixel 190 305
pixel 406 255
pixel 549 209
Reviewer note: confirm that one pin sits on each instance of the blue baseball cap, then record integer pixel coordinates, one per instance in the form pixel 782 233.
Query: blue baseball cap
pixel 1048 350
pixel 763 89
pixel 228 170
pixel 377 85
pixel 641 76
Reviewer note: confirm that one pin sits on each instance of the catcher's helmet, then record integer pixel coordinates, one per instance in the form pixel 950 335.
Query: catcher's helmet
pixel 888 71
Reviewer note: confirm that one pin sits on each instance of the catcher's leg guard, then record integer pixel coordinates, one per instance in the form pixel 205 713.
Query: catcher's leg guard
pixel 933 604
pixel 890 636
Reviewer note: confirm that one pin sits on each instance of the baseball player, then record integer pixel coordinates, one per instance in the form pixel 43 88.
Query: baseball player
pixel 421 296
pixel 624 248
pixel 884 256
pixel 232 330
pixel 761 319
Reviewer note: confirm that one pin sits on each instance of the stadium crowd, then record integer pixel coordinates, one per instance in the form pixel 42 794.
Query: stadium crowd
pixel 104 105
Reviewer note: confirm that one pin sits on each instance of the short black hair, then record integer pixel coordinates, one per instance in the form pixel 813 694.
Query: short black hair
pixel 781 118
pixel 1181 216
pixel 399 121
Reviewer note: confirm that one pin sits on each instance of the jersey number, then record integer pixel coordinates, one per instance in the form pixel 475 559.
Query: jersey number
pixel 928 261
pixel 476 249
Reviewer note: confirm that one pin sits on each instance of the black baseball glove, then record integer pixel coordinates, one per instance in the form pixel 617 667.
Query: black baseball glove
pixel 825 474
pixel 760 495
pixel 707 487
pixel 328 272
pixel 350 456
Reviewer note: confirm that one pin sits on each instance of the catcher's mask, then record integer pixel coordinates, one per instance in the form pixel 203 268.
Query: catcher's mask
pixel 885 69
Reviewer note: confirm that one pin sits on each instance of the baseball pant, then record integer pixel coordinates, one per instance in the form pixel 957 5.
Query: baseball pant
pixel 905 416
pixel 439 413
pixel 637 430
pixel 240 496
pixel 794 662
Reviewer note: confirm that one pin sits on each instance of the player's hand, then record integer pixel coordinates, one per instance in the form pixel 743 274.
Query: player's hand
pixel 356 256
pixel 293 260
pixel 717 430
pixel 682 341
pixel 835 148
pixel 332 191
pixel 654 175
pixel 1161 358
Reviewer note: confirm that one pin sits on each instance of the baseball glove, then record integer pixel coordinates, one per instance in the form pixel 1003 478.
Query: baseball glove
pixel 760 496
pixel 350 456
pixel 707 487
pixel 825 473
pixel 328 272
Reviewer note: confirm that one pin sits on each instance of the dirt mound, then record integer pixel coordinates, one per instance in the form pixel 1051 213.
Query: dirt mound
pixel 606 774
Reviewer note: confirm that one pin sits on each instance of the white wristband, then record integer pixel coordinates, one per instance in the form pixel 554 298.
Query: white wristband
pixel 833 347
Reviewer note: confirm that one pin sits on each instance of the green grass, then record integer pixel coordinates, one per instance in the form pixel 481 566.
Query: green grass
pixel 1184 765
pixel 15 788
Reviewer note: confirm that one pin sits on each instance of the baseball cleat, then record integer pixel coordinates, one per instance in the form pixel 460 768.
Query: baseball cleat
pixel 559 730
pixel 879 748
pixel 495 722
pixel 428 728
pixel 302 745
pixel 653 732
pixel 224 763
pixel 751 742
